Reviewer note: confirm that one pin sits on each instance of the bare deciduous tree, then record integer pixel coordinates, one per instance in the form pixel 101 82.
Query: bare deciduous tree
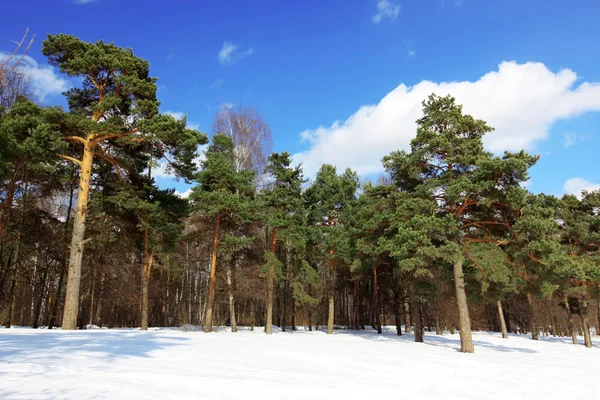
pixel 250 133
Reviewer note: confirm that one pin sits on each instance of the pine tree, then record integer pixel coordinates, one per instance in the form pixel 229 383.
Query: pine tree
pixel 283 210
pixel 329 201
pixel 119 111
pixel 222 193
pixel 475 192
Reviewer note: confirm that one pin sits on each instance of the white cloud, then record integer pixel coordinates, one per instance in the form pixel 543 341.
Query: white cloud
pixel 45 79
pixel 85 1
pixel 521 101
pixel 577 185
pixel 386 9
pixel 181 115
pixel 217 84
pixel 185 194
pixel 230 54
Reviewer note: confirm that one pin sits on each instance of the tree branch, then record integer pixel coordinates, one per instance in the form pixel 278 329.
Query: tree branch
pixel 76 161
pixel 111 161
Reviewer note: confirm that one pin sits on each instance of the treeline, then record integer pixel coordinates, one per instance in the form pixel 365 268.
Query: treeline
pixel 447 239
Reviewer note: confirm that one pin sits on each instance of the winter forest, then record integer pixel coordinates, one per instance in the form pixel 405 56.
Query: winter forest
pixel 447 245
pixel 448 239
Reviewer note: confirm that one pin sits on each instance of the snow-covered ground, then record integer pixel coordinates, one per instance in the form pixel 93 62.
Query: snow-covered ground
pixel 170 363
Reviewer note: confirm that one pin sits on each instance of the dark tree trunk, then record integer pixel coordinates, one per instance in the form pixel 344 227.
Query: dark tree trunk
pixel 271 287
pixel 397 314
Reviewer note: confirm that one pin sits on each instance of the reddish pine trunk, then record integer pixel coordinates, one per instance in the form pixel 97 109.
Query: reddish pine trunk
pixel 212 283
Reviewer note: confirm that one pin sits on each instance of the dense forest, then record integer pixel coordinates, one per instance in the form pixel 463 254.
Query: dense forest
pixel 448 239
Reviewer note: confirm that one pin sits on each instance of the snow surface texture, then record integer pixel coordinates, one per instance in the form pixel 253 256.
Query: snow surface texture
pixel 186 364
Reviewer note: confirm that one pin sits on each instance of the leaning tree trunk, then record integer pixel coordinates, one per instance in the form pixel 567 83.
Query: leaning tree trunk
pixel 533 319
pixel 331 293
pixel 271 287
pixel 77 241
pixel 502 320
pixel 212 283
pixel 376 302
pixel 586 324
pixel 464 323
pixel 230 292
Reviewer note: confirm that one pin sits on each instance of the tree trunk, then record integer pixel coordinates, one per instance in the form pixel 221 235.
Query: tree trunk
pixel 212 283
pixel 397 315
pixel 230 292
pixel 464 323
pixel 331 293
pixel 418 321
pixel 586 324
pixel 533 319
pixel 406 310
pixel 271 287
pixel 502 321
pixel 376 302
pixel 146 270
pixel 77 240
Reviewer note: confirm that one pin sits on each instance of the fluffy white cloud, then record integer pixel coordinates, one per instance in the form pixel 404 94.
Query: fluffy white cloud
pixel 577 185
pixel 185 194
pixel 230 54
pixel 386 9
pixel 44 78
pixel 521 101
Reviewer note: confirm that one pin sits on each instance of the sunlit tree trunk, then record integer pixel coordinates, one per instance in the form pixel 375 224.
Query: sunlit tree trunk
pixel 230 290
pixel 466 339
pixel 212 283
pixel 78 239
pixel 586 325
pixel 502 320
pixel 331 292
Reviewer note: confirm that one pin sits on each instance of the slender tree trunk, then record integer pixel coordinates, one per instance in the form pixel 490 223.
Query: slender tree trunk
pixel 212 283
pixel 466 339
pixel 397 315
pixel 252 318
pixel 502 321
pixel 271 286
pixel 406 305
pixel 586 325
pixel 78 239
pixel 147 260
pixel 533 319
pixel 98 317
pixel 38 306
pixel 230 292
pixel 376 302
pixel 331 293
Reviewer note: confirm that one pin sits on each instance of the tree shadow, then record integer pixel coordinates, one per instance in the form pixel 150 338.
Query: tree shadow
pixel 447 341
pixel 27 346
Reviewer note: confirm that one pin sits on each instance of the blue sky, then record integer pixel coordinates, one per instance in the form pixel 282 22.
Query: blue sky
pixel 529 67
